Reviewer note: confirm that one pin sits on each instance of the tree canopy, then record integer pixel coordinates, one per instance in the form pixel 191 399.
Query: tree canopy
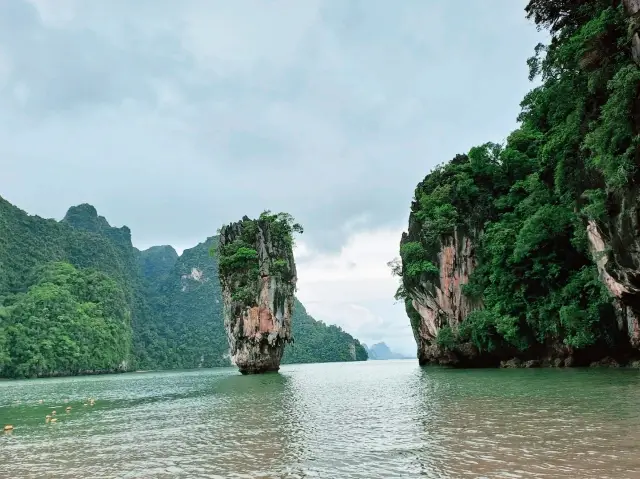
pixel 526 203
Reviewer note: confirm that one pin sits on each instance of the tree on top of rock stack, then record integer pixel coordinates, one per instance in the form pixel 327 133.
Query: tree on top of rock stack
pixel 258 277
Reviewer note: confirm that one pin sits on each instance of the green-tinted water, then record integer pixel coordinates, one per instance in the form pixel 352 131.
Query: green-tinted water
pixel 380 419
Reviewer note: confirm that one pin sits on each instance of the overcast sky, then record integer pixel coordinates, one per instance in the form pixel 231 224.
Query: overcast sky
pixel 175 116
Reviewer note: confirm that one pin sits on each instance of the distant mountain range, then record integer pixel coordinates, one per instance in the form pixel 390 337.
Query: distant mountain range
pixel 381 351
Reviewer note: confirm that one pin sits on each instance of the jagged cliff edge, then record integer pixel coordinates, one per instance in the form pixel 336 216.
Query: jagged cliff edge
pixel 614 243
pixel 258 294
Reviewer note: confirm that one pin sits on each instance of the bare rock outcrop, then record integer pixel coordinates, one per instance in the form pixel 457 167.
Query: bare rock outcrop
pixel 617 255
pixel 442 303
pixel 258 277
pixel 633 10
pixel 615 241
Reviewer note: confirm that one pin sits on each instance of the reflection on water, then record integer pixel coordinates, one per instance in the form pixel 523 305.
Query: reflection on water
pixel 533 423
pixel 379 419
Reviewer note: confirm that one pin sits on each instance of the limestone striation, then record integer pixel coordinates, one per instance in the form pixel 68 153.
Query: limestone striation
pixel 435 302
pixel 618 261
pixel 614 241
pixel 632 8
pixel 258 278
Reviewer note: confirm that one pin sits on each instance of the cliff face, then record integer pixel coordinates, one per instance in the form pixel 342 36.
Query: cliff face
pixel 440 302
pixel 258 279
pixel 618 261
pixel 615 240
pixel 555 274
pixel 632 8
pixel 440 309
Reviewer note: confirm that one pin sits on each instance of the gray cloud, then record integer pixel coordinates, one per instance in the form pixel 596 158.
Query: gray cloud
pixel 175 117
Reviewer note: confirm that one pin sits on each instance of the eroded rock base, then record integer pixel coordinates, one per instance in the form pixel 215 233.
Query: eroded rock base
pixel 254 370
pixel 259 358
pixel 550 356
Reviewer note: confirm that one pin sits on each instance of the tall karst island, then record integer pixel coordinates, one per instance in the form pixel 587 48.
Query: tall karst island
pixel 258 277
pixel 527 253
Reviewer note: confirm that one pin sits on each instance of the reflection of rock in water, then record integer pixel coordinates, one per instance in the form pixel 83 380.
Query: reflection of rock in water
pixel 532 424
pixel 253 420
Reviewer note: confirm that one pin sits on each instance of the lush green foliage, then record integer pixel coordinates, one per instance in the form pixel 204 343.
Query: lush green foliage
pixel 85 240
pixel 191 317
pixel 157 262
pixel 116 307
pixel 188 309
pixel 316 342
pixel 238 259
pixel 70 321
pixel 526 202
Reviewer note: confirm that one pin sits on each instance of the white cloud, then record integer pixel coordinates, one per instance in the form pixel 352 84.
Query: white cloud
pixel 56 13
pixel 354 288
pixel 362 258
pixel 175 117
pixel 230 40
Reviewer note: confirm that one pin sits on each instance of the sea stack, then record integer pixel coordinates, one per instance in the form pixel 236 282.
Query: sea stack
pixel 258 278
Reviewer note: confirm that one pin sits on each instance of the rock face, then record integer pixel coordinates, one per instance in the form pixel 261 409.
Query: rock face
pixel 258 285
pixel 442 303
pixel 633 9
pixel 543 304
pixel 617 255
pixel 615 242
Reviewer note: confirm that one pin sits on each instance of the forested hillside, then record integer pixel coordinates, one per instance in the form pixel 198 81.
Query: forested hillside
pixel 529 249
pixel 69 321
pixel 76 296
pixel 317 342
pixel 30 247
pixel 190 313
pixel 189 307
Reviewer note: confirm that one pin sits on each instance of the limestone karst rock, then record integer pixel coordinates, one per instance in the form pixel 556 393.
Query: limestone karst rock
pixel 545 228
pixel 615 240
pixel 441 302
pixel 258 277
pixel 632 8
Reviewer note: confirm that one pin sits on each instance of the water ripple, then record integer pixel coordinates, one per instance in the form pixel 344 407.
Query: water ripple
pixel 381 419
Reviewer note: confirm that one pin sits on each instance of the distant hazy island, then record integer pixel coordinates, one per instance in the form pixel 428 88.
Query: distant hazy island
pixel 380 351
pixel 77 298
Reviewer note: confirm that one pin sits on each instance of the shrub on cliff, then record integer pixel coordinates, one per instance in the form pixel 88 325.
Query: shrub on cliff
pixel 238 261
pixel 525 203
pixel 70 321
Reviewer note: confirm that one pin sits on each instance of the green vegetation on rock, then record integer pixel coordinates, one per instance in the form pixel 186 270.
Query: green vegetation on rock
pixel 238 260
pixel 188 305
pixel 526 204
pixel 70 321
pixel 77 297
pixel 316 342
